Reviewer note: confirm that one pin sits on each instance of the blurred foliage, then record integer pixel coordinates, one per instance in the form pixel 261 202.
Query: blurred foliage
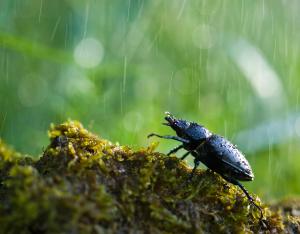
pixel 156 56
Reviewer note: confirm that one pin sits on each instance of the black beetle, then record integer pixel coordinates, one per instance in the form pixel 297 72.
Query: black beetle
pixel 217 153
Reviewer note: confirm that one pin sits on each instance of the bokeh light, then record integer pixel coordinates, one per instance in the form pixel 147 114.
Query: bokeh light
pixel 89 53
pixel 204 36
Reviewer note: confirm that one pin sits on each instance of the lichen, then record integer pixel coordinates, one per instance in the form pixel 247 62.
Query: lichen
pixel 85 184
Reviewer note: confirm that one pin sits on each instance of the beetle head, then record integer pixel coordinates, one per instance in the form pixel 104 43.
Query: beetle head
pixel 176 124
pixel 187 130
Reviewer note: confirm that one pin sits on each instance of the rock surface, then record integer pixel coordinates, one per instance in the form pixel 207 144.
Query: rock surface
pixel 85 184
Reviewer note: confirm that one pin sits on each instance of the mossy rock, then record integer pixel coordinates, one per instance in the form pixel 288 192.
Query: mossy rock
pixel 85 184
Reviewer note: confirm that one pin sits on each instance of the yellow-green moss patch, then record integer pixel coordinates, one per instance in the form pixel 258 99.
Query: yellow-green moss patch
pixel 85 184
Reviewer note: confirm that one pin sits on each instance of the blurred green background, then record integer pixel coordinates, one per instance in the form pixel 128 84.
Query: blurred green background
pixel 116 66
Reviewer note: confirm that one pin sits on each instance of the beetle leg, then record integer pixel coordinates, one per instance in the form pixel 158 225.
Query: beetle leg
pixel 176 138
pixel 185 155
pixel 196 164
pixel 235 182
pixel 250 199
pixel 175 149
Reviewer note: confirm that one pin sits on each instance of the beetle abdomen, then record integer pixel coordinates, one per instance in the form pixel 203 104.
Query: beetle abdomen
pixel 222 156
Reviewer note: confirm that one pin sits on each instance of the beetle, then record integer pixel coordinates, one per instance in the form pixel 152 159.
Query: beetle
pixel 214 151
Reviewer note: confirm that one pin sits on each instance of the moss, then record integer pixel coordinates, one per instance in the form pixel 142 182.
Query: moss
pixel 85 184
pixel 290 211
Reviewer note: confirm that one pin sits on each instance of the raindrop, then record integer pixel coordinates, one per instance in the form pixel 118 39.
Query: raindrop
pixel 40 12
pixel 55 28
pixel 124 74
pixel 183 3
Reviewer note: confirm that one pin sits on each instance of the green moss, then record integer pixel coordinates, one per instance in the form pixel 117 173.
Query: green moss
pixel 290 211
pixel 85 184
